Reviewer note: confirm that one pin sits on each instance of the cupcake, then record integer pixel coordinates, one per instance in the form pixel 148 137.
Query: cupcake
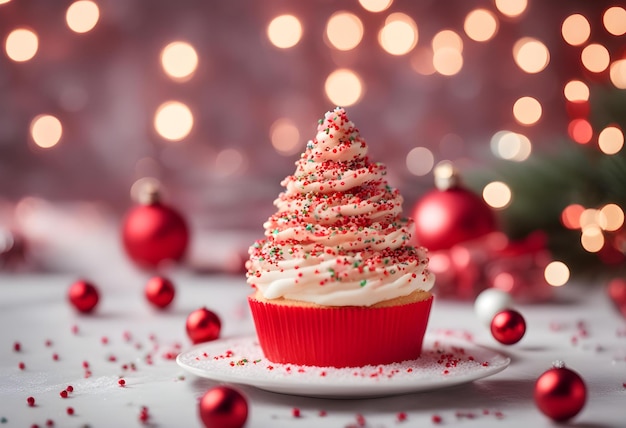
pixel 337 282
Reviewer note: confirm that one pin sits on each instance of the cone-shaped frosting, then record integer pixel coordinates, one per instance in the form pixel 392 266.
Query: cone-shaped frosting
pixel 338 237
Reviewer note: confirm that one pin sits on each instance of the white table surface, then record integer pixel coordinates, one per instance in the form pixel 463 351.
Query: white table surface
pixel 33 310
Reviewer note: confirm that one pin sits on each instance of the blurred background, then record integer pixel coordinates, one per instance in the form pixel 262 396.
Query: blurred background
pixel 215 100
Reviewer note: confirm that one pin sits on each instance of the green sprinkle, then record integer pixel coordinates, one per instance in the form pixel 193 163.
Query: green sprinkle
pixel 363 282
pixel 309 227
pixel 319 122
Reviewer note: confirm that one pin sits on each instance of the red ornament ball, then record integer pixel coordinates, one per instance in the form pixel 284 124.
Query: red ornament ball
pixel 560 393
pixel 83 296
pixel 223 407
pixel 508 326
pixel 203 326
pixel 160 291
pixel 153 233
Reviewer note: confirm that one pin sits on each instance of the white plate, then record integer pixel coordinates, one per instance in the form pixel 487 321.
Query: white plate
pixel 446 360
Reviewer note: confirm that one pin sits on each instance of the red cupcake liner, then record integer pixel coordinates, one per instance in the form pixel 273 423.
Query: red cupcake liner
pixel 345 336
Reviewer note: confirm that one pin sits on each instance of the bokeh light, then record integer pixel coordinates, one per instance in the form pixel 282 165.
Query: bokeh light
pixel 46 130
pixel 511 8
pixel 173 120
pixel 575 29
pixel 21 44
pixel 229 161
pixel 399 35
pixel 179 60
pixel 447 39
pixel 285 137
pixel 344 30
pixel 284 31
pixel 375 5
pixel 611 140
pixel 613 217
pixel 617 73
pixel 527 110
pixel 422 61
pixel 531 55
pixel 580 130
pixel 343 87
pixel 447 61
pixel 592 239
pixel 82 16
pixel 420 161
pixel 614 20
pixel 595 58
pixel 575 90
pixel 511 146
pixel 556 273
pixel 570 217
pixel 589 217
pixel 4 1
pixel 480 25
pixel 497 194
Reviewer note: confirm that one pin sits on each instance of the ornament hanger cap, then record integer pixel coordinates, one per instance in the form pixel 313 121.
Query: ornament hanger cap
pixel 150 194
pixel 446 176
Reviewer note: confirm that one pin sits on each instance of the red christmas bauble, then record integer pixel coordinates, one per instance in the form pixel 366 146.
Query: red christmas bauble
pixel 508 326
pixel 83 296
pixel 203 326
pixel 223 407
pixel 153 233
pixel 560 393
pixel 160 291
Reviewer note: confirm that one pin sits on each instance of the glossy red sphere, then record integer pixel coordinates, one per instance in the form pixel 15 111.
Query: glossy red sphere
pixel 160 291
pixel 223 407
pixel 560 393
pixel 83 296
pixel 203 325
pixel 154 233
pixel 449 217
pixel 508 326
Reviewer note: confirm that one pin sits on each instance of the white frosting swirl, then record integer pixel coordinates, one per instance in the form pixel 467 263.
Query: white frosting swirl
pixel 338 238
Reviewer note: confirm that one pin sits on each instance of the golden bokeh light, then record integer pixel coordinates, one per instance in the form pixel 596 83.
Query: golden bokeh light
pixel 447 61
pixel 511 146
pixel 570 217
pixel 531 55
pixel 614 20
pixel 575 29
pixel 497 195
pixel 447 39
pixel 4 1
pixel 588 217
pixel 375 5
pixel 556 273
pixel 611 140
pixel 527 110
pixel 82 16
pixel 173 120
pixel 284 31
pixel 592 239
pixel 480 25
pixel 613 217
pixel 617 73
pixel 422 61
pixel 399 35
pixel 595 58
pixel 580 130
pixel 344 31
pixel 420 161
pixel 285 136
pixel 21 44
pixel 343 87
pixel 511 8
pixel 179 60
pixel 575 90
pixel 46 131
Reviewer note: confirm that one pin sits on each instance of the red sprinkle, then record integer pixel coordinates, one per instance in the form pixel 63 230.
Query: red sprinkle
pixel 31 401
pixel 360 420
pixel 121 382
pixel 21 365
pixel 55 356
pixel 48 344
pixel 69 388
pixel 295 412
pixel 322 413
pixel 49 423
pixel 63 394
pixel 75 329
pixel 436 419
pixel 17 347
pixel 85 364
pixel 104 340
pixel 401 416
pixel 70 411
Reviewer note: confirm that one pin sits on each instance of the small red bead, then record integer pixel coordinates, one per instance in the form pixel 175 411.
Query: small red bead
pixel 401 416
pixel 436 419
pixel 17 347
pixel 85 364
pixel 70 410
pixel 31 401
pixel 70 388
pixel 104 340
pixel 55 356
pixel 49 423
pixel 63 394
pixel 295 412
pixel 21 365
pixel 121 382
